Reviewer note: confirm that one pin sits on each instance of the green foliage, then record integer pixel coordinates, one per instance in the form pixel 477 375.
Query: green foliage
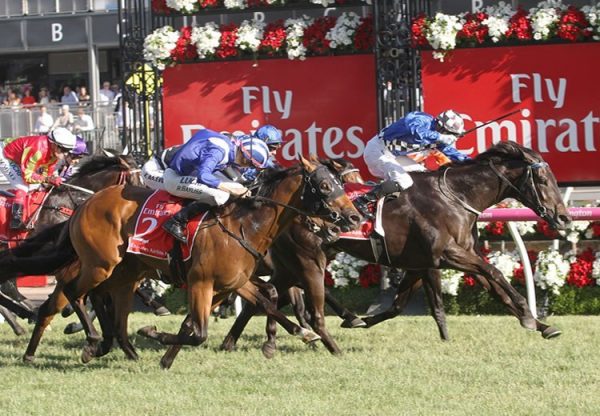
pixel 175 300
pixel 576 301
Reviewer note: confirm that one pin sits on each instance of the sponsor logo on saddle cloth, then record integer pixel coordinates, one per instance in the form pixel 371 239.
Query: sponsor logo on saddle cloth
pixel 149 237
pixel 353 191
pixel 33 201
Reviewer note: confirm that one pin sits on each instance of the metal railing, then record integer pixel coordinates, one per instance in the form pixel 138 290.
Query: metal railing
pixel 43 7
pixel 20 121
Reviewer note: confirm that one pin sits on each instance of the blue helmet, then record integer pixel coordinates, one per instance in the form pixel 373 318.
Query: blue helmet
pixel 269 134
pixel 255 150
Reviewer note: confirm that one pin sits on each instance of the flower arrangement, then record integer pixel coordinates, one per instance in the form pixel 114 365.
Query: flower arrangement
pixel 186 7
pixel 550 20
pixel 345 270
pixel 296 38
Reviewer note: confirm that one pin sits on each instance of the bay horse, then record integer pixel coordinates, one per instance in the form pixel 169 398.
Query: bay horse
pixel 94 173
pixel 430 227
pixel 98 232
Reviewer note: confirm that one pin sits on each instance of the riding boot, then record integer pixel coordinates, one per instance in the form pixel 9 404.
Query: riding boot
pixel 16 220
pixel 177 224
pixel 385 188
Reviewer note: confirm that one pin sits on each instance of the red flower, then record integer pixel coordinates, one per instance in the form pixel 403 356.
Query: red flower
pixel 207 3
pixel 184 50
pixel 273 38
pixel 364 38
pixel 473 28
pixel 314 35
pixel 519 273
pixel 519 27
pixel 573 25
pixel 227 42
pixel 596 229
pixel 160 6
pixel 495 228
pixel 469 280
pixel 328 279
pixel 417 30
pixel 370 275
pixel 544 228
pixel 580 274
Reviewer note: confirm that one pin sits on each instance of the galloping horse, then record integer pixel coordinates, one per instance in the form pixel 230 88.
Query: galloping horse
pixel 98 234
pixel 429 227
pixel 94 173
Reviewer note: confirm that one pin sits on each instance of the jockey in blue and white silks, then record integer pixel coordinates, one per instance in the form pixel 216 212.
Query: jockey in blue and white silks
pixel 391 154
pixel 195 172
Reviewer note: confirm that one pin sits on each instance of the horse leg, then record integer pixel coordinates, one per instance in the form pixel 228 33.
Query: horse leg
pixel 248 311
pixel 350 320
pixel 99 303
pixel 11 320
pixel 270 345
pixel 408 286
pixel 122 305
pixel 432 283
pixel 460 259
pixel 53 305
pixel 296 299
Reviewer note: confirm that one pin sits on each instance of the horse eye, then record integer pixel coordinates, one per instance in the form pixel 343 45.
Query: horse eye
pixel 325 187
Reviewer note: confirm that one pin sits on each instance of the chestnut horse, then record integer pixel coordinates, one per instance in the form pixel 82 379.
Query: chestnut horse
pixel 241 233
pixel 430 227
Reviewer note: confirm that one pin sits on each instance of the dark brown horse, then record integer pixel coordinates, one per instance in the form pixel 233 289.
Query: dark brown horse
pixel 95 173
pixel 429 227
pixel 99 230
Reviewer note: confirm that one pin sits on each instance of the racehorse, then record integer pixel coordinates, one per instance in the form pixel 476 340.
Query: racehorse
pixel 244 229
pixel 430 227
pixel 94 173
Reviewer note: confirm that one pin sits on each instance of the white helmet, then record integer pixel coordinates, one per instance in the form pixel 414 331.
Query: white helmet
pixel 63 138
pixel 451 121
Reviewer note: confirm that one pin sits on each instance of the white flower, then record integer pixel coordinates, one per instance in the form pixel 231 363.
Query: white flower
pixel 345 269
pixel 505 262
pixel 324 3
pixel 235 4
pixel 526 227
pixel 294 32
pixel 442 31
pixel 451 281
pixel 249 35
pixel 345 27
pixel 184 6
pixel 158 46
pixel 551 271
pixel 206 38
pixel 592 13
pixel 544 16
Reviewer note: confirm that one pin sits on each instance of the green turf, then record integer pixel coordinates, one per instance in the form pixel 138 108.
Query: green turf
pixel 490 367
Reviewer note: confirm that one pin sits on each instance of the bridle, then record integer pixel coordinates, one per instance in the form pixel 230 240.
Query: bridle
pixel 524 181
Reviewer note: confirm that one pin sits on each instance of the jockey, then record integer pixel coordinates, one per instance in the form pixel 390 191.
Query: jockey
pixel 195 172
pixel 272 138
pixel 27 162
pixel 391 154
pixel 72 160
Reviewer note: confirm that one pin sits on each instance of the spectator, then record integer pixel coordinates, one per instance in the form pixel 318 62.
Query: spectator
pixel 28 99
pixel 43 98
pixel 44 122
pixel 12 99
pixel 69 97
pixel 106 95
pixel 83 122
pixel 84 97
pixel 65 119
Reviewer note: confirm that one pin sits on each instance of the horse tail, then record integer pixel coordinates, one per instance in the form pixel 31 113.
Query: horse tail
pixel 43 253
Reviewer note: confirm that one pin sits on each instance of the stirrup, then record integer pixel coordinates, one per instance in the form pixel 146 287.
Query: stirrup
pixel 176 229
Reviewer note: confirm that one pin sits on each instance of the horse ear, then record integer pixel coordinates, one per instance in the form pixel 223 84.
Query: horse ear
pixel 125 151
pixel 107 153
pixel 336 165
pixel 314 158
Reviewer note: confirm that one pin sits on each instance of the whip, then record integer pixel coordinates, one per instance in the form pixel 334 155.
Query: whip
pixel 491 121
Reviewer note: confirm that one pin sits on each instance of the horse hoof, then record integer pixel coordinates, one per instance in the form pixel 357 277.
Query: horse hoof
pixel 551 332
pixel 88 353
pixel 227 347
pixel 148 331
pixel 309 336
pixel 28 359
pixel 162 311
pixel 529 323
pixel 166 363
pixel 354 323
pixel 73 328
pixel 268 350
pixel 19 331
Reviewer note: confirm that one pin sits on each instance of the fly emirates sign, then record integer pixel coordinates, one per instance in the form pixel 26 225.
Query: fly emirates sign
pixel 325 106
pixel 555 86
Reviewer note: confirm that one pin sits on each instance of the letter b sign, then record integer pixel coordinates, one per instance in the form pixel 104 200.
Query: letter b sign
pixel 57 32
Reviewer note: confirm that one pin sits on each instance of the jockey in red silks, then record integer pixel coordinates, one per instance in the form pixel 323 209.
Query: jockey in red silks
pixel 27 162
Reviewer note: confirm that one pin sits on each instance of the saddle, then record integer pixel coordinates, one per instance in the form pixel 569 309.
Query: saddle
pixel 33 202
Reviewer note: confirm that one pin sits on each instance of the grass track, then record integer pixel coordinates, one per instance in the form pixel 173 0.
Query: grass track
pixel 491 367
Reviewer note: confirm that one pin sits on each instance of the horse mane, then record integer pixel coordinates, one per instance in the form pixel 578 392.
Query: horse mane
pixel 97 163
pixel 508 151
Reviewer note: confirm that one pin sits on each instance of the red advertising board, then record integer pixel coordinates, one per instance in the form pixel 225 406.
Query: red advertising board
pixel 555 86
pixel 323 105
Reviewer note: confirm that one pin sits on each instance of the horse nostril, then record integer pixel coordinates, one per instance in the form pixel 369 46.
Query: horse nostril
pixel 355 219
pixel 564 219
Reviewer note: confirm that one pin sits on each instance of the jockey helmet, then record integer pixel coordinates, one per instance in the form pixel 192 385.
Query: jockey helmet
pixel 451 122
pixel 63 138
pixel 269 134
pixel 80 148
pixel 255 150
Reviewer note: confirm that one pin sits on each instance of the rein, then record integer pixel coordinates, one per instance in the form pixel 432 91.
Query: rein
pixel 456 197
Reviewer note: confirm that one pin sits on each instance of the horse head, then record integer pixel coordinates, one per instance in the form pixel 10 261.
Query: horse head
pixel 324 195
pixel 528 179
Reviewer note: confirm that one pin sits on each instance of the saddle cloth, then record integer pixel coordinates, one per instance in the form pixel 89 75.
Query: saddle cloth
pixel 149 237
pixel 33 201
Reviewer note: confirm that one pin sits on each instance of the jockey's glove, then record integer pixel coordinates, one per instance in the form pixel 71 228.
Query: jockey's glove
pixel 236 189
pixel 54 180
pixel 447 139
